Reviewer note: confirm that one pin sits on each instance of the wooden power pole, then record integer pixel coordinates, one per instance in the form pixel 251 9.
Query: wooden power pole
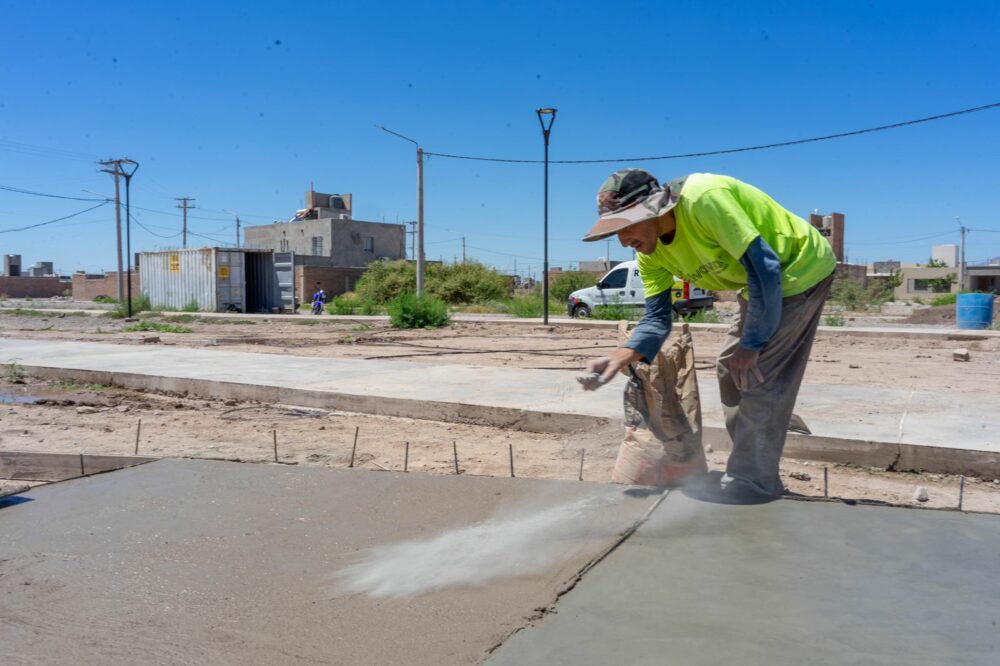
pixel 184 206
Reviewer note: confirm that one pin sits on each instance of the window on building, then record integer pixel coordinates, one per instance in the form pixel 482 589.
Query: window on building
pixel 369 243
pixel 284 245
pixel 936 286
pixel 317 245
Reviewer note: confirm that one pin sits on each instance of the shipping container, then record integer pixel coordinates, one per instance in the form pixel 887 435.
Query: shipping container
pixel 214 279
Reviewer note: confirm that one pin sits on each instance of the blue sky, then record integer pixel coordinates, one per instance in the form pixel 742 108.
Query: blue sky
pixel 241 107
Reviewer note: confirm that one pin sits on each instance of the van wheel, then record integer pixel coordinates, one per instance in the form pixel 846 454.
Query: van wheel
pixel 581 312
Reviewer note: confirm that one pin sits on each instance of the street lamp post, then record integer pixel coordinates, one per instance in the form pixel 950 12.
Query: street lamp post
pixel 128 229
pixel 543 115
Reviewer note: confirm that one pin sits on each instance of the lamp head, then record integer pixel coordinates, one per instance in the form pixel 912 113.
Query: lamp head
pixel 546 114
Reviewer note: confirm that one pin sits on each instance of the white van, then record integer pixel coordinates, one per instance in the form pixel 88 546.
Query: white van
pixel 622 285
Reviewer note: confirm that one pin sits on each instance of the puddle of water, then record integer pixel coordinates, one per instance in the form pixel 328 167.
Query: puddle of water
pixel 11 399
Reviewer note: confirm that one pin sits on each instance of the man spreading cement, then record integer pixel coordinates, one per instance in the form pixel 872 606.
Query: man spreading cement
pixel 722 234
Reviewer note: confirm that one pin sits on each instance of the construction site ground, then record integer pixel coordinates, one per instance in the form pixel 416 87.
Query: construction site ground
pixel 179 426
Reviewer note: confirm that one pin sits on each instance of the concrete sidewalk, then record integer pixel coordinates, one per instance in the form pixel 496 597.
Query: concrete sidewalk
pixel 541 400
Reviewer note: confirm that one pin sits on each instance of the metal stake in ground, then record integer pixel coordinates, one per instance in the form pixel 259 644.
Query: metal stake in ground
pixel 961 491
pixel 406 460
pixel 355 447
pixel 275 432
pixel 826 492
pixel 581 464
pixel 454 448
pixel 510 447
pixel 82 473
pixel 138 429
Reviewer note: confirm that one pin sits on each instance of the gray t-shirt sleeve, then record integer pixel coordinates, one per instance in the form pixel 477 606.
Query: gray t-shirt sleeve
pixel 764 290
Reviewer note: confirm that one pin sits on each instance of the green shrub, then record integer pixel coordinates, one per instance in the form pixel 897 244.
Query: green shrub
pixel 944 299
pixel 192 306
pixel 369 308
pixel 850 293
pixel 704 316
pixel 159 327
pixel 342 305
pixel 569 281
pixel 139 304
pixel 615 311
pixel 525 305
pixel 105 299
pixel 835 319
pixel 469 282
pixel 411 311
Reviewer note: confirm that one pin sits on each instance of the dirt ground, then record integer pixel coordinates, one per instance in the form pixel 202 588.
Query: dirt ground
pixel 71 418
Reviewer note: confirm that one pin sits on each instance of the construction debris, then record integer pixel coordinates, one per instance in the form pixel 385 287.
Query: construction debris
pixel 960 354
pixel 801 476
pixel 920 494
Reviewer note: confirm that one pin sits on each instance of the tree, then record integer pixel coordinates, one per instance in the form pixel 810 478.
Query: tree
pixel 941 285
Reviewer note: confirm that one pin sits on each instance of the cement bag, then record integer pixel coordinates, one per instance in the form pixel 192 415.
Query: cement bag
pixel 662 443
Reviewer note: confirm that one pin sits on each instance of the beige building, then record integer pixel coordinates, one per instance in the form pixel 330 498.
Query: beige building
pixel 915 282
pixel 326 228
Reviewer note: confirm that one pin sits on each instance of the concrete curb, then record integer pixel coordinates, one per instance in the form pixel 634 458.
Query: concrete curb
pixel 866 453
pixel 890 456
pixel 449 412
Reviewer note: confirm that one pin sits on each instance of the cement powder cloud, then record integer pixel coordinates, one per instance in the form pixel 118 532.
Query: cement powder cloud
pixel 521 543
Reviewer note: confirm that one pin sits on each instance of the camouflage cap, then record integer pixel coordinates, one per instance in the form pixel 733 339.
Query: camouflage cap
pixel 630 196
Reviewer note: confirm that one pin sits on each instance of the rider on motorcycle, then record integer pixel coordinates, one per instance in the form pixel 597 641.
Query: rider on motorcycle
pixel 319 299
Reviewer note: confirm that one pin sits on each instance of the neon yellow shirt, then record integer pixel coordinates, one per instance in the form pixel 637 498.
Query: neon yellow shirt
pixel 717 219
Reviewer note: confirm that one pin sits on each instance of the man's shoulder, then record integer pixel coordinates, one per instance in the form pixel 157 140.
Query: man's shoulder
pixel 697 185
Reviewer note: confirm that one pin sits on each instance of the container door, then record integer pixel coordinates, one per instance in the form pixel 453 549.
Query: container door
pixel 229 276
pixel 284 268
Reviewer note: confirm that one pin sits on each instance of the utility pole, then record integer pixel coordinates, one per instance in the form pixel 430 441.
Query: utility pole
pixel 420 207
pixel 184 206
pixel 463 249
pixel 420 220
pixel 237 232
pixel 961 256
pixel 117 173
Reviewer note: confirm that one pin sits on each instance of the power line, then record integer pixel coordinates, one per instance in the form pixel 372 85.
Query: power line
pixel 151 232
pixel 730 151
pixel 45 194
pixel 59 219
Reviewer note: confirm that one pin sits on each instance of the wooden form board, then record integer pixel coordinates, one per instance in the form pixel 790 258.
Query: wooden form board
pixel 32 466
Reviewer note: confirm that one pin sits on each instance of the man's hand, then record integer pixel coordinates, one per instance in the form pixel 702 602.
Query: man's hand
pixel 742 364
pixel 606 366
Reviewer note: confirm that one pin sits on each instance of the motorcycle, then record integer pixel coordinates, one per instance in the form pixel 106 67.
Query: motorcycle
pixel 319 301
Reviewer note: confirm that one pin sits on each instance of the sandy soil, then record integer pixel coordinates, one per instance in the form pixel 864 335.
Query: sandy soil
pixel 94 419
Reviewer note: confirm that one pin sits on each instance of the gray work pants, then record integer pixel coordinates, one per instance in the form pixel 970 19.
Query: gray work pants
pixel 758 419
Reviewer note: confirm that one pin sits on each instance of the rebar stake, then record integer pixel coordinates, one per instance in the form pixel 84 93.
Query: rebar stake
pixel 138 429
pixel 581 463
pixel 454 447
pixel 82 473
pixel 510 447
pixel 826 485
pixel 406 460
pixel 355 447
pixel 961 491
pixel 275 432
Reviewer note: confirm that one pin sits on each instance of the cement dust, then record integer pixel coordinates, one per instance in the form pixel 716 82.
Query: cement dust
pixel 517 542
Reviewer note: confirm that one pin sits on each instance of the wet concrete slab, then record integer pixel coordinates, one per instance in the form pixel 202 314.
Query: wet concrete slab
pixel 790 582
pixel 183 561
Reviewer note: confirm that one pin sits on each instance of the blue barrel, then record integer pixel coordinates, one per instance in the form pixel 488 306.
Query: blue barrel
pixel 974 310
